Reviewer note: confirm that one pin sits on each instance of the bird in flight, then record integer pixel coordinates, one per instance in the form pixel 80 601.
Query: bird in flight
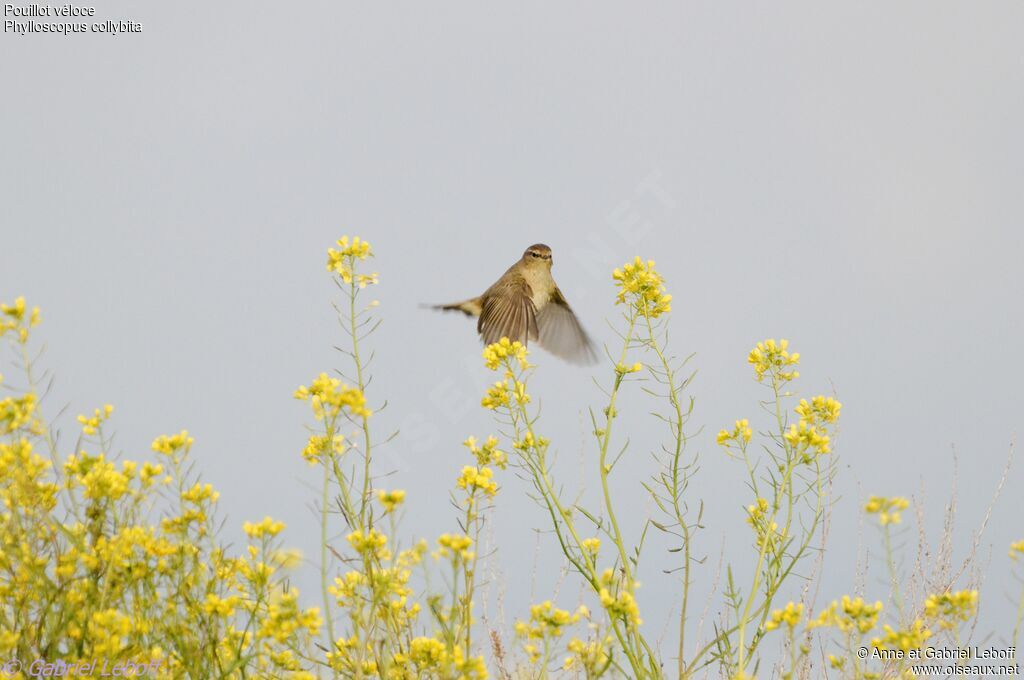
pixel 525 304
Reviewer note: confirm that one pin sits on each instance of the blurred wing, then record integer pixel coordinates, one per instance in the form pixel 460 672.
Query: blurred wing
pixel 561 332
pixel 508 312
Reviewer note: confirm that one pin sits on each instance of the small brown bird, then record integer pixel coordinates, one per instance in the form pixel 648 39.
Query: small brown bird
pixel 525 304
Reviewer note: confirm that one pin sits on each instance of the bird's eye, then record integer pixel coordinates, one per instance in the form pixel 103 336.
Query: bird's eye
pixel 532 254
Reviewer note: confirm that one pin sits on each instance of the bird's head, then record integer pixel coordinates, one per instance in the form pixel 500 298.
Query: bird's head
pixel 537 255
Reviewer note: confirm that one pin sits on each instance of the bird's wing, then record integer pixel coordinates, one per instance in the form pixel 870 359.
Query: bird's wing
pixel 507 311
pixel 561 334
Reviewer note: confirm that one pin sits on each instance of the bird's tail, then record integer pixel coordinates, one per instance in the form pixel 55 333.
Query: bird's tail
pixel 469 307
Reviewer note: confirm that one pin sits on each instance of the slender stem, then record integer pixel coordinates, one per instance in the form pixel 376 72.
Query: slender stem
pixel 324 567
pixel 894 581
pixel 361 383
pixel 684 527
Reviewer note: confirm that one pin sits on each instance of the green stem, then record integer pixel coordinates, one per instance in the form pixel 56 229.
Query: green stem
pixel 894 582
pixel 324 568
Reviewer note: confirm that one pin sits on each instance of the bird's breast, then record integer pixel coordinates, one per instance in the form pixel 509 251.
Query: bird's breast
pixel 542 286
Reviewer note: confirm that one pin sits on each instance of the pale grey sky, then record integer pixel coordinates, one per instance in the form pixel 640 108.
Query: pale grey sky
pixel 847 176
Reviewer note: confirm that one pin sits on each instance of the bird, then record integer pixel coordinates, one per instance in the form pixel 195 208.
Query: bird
pixel 525 304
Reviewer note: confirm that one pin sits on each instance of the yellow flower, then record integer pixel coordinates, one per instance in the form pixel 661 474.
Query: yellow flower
pixel 502 352
pixel 169 445
pixel 204 492
pixel 547 621
pixel 622 369
pixel 328 396
pixel 741 433
pixel 478 479
pixel 1017 549
pixel 371 543
pixel 92 423
pixel 12 318
pixel 488 453
pixel 317 445
pixel 643 288
pixel 268 527
pixel 498 395
pixel 456 545
pixel 807 439
pixel 887 509
pixel 789 615
pixel 342 261
pixel 529 442
pixel 820 409
pixel 391 499
pixel 912 637
pixel 594 657
pixel 428 654
pixel 592 545
pixel 772 357
pixel 620 604
pixel 849 615
pixel 948 608
pixel 149 472
pixel 220 607
pixel 109 630
pixel 17 413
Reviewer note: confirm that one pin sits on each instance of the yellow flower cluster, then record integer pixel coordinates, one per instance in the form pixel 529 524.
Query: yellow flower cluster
pixel 475 479
pixel 820 409
pixel 790 615
pixel 98 477
pixel 267 528
pixel 504 351
pixel 13 319
pixel 328 396
pixel 740 434
pixel 809 437
pixel 498 396
pixel 530 443
pixel 501 394
pixel 371 542
pixel 949 608
pixel 911 637
pixel 807 440
pixel 765 528
pixel 643 288
pixel 17 413
pixel 318 445
pixel 342 261
pixel 487 453
pixel 25 480
pixel 617 599
pixel 1017 549
pixel 887 509
pixel 591 545
pixel 456 546
pixel 391 499
pixel 849 615
pixel 378 591
pixel 622 369
pixel 91 424
pixel 170 445
pixel 774 358
pixel 593 657
pixel 125 573
pixel 547 621
pixel 430 657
